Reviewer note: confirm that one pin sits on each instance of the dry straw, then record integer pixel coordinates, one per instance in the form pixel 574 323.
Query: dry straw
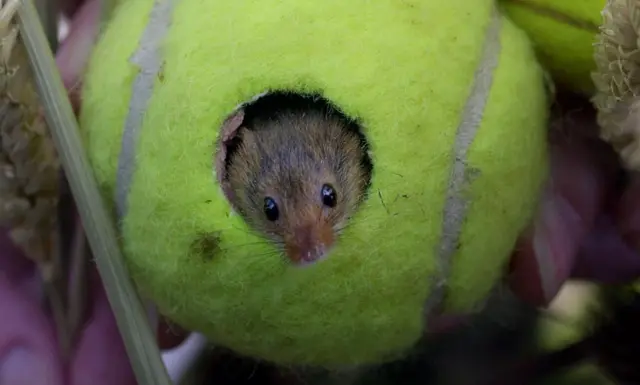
pixel 33 151
pixel 617 79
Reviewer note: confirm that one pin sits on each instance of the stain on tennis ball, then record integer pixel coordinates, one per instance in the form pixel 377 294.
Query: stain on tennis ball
pixel 206 245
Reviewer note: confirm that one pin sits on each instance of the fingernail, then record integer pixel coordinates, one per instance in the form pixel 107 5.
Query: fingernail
pixel 20 367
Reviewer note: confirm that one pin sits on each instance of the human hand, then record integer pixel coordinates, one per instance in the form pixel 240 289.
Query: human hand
pixel 585 228
pixel 589 221
pixel 29 342
pixel 29 352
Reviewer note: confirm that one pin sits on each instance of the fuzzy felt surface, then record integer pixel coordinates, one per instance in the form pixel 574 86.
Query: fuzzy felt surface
pixel 405 69
pixel 564 33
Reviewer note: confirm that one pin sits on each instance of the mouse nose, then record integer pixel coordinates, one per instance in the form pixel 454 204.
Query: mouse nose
pixel 309 244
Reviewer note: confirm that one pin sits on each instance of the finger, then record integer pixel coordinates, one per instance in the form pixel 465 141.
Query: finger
pixel 70 7
pixel 28 350
pixel 100 357
pixel 73 54
pixel 545 254
pixel 101 342
pixel 583 172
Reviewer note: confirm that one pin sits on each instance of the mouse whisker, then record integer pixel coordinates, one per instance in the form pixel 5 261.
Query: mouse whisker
pixel 242 229
pixel 236 247
pixel 264 253
pixel 249 231
pixel 270 253
pixel 340 229
pixel 243 245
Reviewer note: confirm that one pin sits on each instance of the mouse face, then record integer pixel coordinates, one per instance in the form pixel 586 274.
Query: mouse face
pixel 296 181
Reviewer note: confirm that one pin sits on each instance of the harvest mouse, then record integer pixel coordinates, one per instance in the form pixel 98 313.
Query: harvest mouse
pixel 296 169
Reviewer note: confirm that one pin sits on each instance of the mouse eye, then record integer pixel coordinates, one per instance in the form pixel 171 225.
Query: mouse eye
pixel 329 197
pixel 271 209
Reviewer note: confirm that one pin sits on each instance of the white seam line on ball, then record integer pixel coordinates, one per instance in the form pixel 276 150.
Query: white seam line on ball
pixel 456 205
pixel 147 58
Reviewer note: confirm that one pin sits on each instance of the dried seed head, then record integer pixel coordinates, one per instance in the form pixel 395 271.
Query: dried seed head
pixel 29 167
pixel 617 79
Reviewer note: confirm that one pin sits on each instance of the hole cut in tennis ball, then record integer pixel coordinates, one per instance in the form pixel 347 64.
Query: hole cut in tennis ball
pixel 296 168
pixel 267 106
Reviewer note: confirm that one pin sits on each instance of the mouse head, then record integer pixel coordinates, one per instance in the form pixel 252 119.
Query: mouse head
pixel 296 178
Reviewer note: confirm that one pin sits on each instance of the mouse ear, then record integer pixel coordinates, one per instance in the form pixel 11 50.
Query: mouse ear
pixel 227 137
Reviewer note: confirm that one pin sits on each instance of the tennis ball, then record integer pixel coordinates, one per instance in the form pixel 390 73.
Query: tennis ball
pixel 563 33
pixel 450 99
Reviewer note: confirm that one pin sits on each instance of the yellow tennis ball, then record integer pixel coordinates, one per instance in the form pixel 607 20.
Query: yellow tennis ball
pixel 563 32
pixel 449 98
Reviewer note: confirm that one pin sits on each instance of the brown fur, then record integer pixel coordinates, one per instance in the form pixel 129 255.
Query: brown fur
pixel 289 160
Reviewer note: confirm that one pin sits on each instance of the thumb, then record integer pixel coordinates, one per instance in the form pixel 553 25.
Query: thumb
pixel 545 255
pixel 28 350
pixel 100 357
pixel 582 178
